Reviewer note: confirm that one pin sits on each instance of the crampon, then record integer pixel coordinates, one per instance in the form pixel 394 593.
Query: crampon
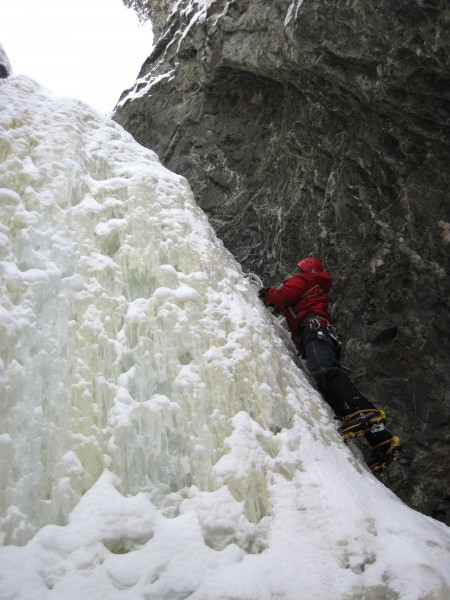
pixel 362 421
pixel 383 454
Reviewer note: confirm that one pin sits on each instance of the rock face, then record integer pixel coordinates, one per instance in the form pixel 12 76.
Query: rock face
pixel 5 66
pixel 322 128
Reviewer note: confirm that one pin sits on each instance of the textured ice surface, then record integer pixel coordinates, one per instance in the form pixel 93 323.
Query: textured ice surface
pixel 157 439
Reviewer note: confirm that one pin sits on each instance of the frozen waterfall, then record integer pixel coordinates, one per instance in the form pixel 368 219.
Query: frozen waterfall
pixel 158 441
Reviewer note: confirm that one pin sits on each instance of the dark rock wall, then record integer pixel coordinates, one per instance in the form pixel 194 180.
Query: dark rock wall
pixel 5 66
pixel 322 127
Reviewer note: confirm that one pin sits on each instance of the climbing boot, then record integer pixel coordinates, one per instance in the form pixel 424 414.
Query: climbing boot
pixel 361 422
pixel 383 454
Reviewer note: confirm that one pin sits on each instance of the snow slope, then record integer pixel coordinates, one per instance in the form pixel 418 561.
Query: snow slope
pixel 157 439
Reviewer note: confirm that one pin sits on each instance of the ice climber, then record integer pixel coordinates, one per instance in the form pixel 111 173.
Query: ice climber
pixel 303 301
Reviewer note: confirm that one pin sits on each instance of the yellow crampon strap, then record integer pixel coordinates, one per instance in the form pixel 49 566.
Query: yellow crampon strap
pixel 390 454
pixel 381 414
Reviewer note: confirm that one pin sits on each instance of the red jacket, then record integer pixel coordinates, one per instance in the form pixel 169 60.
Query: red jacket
pixel 301 296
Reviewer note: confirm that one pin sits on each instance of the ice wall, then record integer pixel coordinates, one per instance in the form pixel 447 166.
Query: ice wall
pixel 157 438
pixel 125 334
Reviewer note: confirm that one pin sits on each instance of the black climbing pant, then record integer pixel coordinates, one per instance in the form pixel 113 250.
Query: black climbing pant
pixel 321 354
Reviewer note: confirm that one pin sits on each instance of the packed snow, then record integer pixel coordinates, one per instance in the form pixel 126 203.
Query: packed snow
pixel 159 439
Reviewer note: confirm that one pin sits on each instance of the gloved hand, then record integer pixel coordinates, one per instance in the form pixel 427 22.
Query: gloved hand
pixel 262 292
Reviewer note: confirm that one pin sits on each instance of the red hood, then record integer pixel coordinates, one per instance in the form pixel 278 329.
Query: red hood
pixel 323 279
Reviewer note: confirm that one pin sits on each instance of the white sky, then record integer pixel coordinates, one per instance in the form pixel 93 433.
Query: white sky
pixel 88 49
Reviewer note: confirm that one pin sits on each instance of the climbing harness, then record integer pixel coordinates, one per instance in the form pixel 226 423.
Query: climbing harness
pixel 323 328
